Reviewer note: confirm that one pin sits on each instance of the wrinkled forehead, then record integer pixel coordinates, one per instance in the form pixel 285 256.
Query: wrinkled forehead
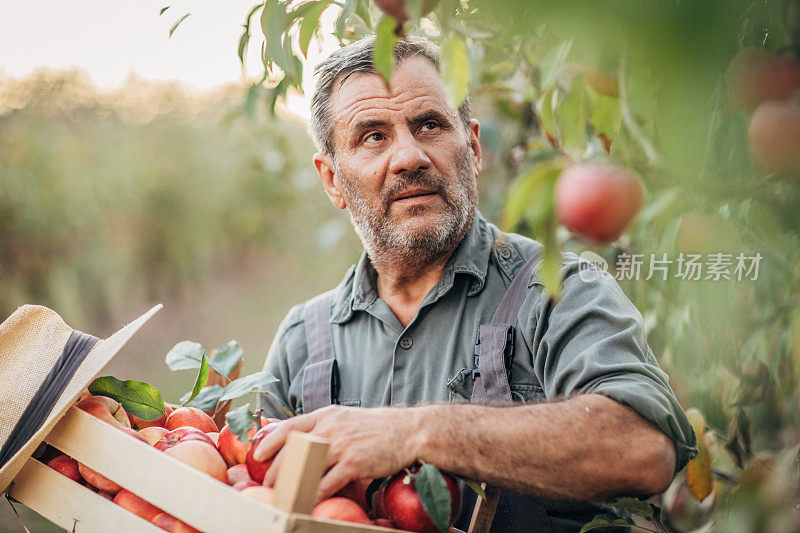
pixel 416 86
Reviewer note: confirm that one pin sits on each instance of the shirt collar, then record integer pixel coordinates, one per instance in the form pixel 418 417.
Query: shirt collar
pixel 358 291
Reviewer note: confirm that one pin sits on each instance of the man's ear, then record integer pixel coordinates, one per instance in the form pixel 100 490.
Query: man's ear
pixel 475 144
pixel 327 173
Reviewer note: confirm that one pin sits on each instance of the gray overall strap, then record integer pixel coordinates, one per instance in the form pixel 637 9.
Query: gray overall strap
pixel 494 349
pixel 321 377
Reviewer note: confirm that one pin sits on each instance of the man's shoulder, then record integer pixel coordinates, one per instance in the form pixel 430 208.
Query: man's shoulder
pixel 334 297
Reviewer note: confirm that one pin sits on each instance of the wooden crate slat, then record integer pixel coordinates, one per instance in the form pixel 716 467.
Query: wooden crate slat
pixel 66 503
pixel 307 524
pixel 302 467
pixel 178 489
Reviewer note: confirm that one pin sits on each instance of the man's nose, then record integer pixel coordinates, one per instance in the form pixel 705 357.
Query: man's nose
pixel 408 156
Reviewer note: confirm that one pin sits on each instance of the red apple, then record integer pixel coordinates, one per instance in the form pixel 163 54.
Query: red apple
pixel 202 456
pixel 105 409
pixel 356 491
pixel 597 201
pixel 66 465
pixel 233 450
pixel 383 522
pixel 170 523
pixel 257 469
pixel 153 434
pixel 343 509
pixel 98 480
pixel 171 438
pixel 135 434
pixel 190 416
pixel 260 493
pixel 214 436
pixel 107 495
pixel 136 505
pixel 238 473
pixel 241 485
pixel 755 76
pixel 774 136
pixel 405 508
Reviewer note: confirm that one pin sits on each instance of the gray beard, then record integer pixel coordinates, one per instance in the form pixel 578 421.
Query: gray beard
pixel 387 242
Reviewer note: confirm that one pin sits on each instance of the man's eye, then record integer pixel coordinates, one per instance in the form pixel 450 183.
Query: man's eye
pixel 374 137
pixel 431 124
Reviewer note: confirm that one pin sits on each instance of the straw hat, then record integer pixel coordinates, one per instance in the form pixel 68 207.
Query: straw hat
pixel 44 367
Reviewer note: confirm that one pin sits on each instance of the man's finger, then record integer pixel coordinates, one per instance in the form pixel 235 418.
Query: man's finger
pixel 276 436
pixel 272 472
pixel 334 481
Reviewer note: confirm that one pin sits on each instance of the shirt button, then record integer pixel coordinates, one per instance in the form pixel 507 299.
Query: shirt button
pixel 406 342
pixel 505 252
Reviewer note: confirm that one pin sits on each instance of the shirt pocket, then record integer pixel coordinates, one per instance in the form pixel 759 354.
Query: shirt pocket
pixel 527 392
pixel 460 387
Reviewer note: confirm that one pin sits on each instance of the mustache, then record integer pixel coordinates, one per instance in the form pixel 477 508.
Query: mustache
pixel 421 178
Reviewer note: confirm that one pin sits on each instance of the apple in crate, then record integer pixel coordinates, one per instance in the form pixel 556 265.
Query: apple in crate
pixel 202 456
pixel 153 434
pixel 161 421
pixel 238 473
pixel 233 450
pixel 66 465
pixel 130 501
pixel 106 409
pixel 171 438
pixel 257 469
pixel 97 479
pixel 344 509
pixel 260 493
pixel 170 523
pixel 190 416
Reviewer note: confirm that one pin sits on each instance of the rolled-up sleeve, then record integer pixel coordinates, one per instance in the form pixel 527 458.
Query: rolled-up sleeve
pixel 592 340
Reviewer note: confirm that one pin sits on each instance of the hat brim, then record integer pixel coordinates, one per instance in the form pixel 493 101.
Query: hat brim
pixel 100 355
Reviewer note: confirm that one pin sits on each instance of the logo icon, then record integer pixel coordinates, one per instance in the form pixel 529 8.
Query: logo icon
pixel 591 266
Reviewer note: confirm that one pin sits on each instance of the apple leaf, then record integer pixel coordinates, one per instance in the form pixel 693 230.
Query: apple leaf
pixel 545 108
pixel 347 10
pixel 206 400
pixel 200 382
pixel 636 506
pixel 226 358
pixel 455 70
pixel 242 386
pixel 240 420
pixel 553 62
pixel 698 471
pixel 606 113
pixel 161 11
pixel 474 485
pixel 310 23
pixel 383 54
pixel 185 355
pixel 137 398
pixel 434 495
pixel 605 520
pixel 178 23
pixel 572 117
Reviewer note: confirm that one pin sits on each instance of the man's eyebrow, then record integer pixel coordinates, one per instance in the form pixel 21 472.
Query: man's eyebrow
pixel 429 115
pixel 368 124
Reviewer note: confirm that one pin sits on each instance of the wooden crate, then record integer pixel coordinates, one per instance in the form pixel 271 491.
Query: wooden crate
pixel 180 490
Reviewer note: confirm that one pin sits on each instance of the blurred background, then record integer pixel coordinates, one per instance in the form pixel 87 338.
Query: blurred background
pixel 143 162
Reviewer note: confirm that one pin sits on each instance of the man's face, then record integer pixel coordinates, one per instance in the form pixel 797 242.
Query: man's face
pixel 404 164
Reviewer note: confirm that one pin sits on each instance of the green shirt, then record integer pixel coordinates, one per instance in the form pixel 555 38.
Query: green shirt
pixel 592 340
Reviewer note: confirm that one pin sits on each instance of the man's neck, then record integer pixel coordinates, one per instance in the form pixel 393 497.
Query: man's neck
pixel 403 286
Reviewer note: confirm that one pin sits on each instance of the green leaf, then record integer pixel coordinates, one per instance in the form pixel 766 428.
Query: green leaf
pixel 362 10
pixel 137 398
pixel 240 420
pixel 434 495
pixel 244 40
pixel 273 24
pixel 347 10
pixel 636 506
pixel 226 358
pixel 474 485
pixel 185 355
pixel 455 70
pixel 178 23
pixel 161 12
pixel 553 62
pixel 310 23
pixel 546 116
pixel 200 382
pixel 242 386
pixel 605 520
pixel 206 400
pixel 550 269
pixel 573 117
pixel 383 54
pixel 606 113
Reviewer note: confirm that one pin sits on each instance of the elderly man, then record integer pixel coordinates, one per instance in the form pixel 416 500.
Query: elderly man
pixel 556 402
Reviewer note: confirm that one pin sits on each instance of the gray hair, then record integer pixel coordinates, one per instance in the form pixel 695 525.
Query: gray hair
pixel 358 57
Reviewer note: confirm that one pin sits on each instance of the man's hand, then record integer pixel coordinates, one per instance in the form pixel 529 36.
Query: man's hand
pixel 364 443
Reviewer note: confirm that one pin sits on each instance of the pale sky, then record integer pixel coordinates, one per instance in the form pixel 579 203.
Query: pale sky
pixel 109 39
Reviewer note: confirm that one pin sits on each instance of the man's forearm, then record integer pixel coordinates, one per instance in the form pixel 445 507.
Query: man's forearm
pixel 586 448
